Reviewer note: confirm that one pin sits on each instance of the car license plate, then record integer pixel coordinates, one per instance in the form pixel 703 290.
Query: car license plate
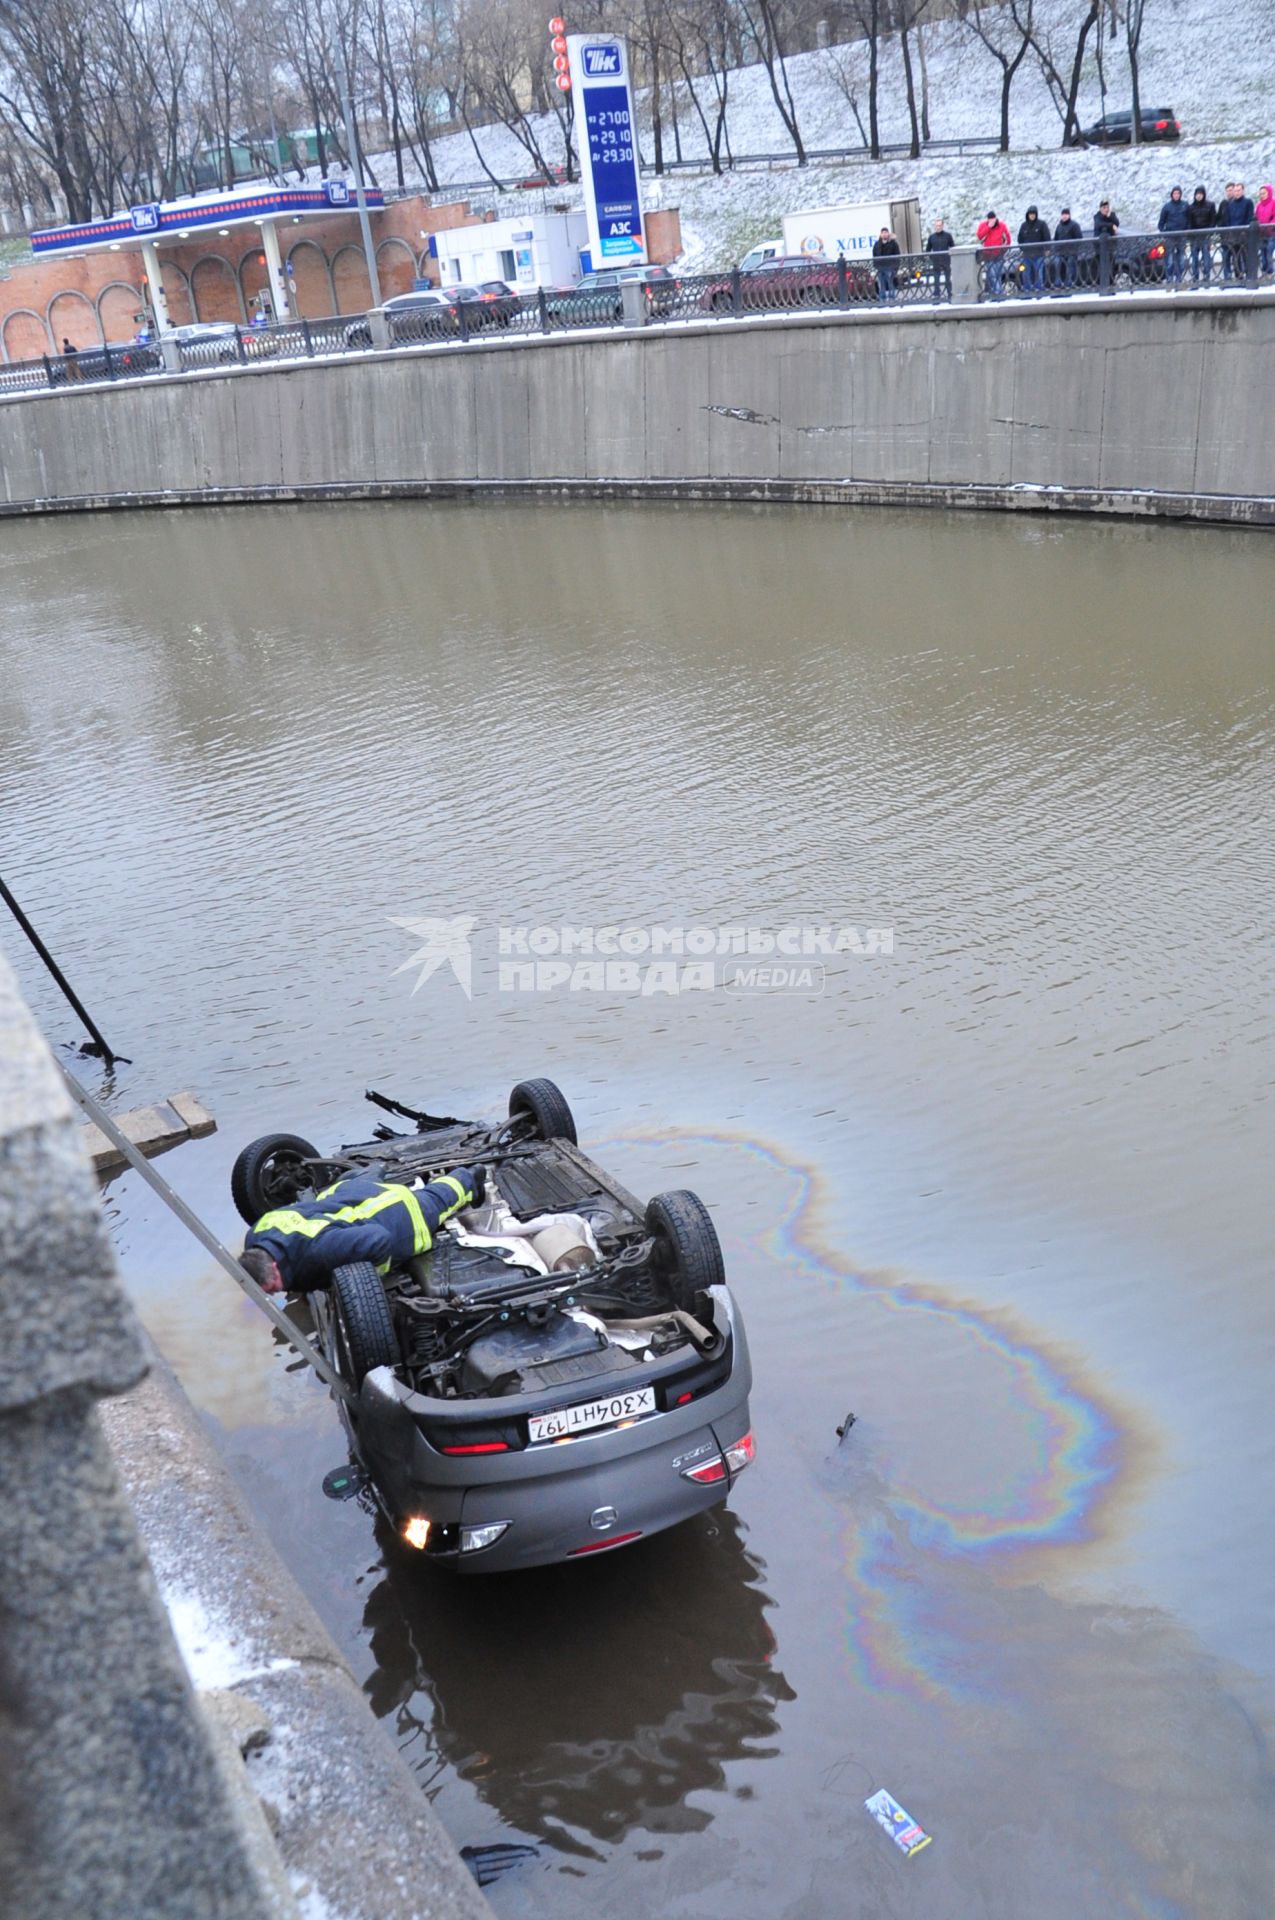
pixel 591 1414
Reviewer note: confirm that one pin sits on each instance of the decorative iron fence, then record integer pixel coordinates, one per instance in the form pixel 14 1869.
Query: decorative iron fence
pixel 1237 257
pixel 1120 263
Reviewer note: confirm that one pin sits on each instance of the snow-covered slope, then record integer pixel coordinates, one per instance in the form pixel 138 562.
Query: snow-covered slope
pixel 1216 71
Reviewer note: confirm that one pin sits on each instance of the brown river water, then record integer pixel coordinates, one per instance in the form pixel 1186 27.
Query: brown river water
pixel 1002 1190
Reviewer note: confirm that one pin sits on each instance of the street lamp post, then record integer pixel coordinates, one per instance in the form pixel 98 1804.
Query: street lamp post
pixel 356 155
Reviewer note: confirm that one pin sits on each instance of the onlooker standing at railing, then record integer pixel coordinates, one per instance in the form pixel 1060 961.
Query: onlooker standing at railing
pixel 939 247
pixel 1264 214
pixel 1032 238
pixel 1201 218
pixel 1236 211
pixel 1174 219
pixel 1106 224
pixel 993 237
pixel 885 251
pixel 1066 263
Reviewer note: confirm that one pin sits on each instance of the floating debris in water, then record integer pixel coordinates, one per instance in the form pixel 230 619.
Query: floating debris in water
pixel 846 1425
pixel 898 1823
pixel 488 1863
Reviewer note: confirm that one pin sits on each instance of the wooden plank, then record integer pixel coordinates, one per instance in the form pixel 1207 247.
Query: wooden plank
pixel 152 1130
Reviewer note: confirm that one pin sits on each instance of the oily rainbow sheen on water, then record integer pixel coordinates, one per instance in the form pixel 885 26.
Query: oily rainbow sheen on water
pixel 1051 1485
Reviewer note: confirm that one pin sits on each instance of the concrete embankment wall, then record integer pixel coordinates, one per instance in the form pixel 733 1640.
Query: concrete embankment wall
pixel 1158 404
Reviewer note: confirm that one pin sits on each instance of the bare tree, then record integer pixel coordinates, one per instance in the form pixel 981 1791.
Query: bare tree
pixel 1066 92
pixel 1006 32
pixel 45 85
pixel 767 28
pixel 1133 16
pixel 868 14
pixel 848 73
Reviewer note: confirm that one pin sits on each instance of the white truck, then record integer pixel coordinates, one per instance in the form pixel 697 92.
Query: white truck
pixel 825 233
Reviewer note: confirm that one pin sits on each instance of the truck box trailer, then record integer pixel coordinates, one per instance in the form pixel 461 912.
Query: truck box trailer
pixel 826 233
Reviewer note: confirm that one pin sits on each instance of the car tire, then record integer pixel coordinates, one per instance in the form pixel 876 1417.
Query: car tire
pixel 547 1105
pixel 690 1251
pixel 265 1174
pixel 365 1325
pixel 720 303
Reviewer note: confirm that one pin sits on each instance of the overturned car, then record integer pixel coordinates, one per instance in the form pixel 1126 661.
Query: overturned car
pixel 562 1373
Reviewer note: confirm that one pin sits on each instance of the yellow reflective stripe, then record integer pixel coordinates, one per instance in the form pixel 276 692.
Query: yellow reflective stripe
pixel 284 1220
pixel 458 1187
pixel 366 1209
pixel 422 1239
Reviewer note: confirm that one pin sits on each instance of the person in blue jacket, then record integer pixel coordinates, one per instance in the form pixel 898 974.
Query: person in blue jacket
pixel 296 1249
pixel 1174 221
pixel 1234 212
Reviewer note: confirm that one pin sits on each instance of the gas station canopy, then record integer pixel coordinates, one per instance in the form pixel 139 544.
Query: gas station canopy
pixel 147 225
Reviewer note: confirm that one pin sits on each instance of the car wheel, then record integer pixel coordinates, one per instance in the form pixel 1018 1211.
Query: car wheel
pixel 547 1105
pixel 270 1173
pixel 690 1252
pixel 365 1326
pixel 720 303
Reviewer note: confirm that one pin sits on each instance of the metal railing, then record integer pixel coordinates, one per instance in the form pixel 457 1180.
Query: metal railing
pixel 89 365
pixel 1120 263
pixel 1236 257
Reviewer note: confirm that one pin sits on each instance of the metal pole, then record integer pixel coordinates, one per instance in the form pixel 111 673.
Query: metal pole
pixel 99 1044
pixel 356 156
pixel 206 1238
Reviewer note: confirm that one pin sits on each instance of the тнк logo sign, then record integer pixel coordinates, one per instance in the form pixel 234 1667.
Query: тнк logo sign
pixel 603 59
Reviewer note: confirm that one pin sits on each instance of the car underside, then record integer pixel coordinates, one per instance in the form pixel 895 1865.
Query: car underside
pixel 563 1372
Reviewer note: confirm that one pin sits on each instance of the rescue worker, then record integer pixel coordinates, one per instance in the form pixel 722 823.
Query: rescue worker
pixel 295 1249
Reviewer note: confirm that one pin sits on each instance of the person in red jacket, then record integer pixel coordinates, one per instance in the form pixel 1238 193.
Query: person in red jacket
pixel 993 237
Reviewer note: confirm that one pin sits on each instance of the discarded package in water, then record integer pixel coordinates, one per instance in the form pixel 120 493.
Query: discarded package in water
pixel 898 1823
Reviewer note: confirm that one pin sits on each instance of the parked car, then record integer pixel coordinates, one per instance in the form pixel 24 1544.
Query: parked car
pixel 790 280
pixel 598 296
pixel 1137 261
pixel 207 343
pixel 424 315
pixel 1116 129
pixel 117 360
pixel 487 303
pixel 563 1373
pixel 501 300
pixel 757 256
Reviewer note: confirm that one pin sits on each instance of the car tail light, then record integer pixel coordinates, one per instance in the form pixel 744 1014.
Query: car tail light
pixel 742 1454
pixel 1157 253
pixel 474 1539
pixel 481 1446
pixel 708 1473
pixel 600 1546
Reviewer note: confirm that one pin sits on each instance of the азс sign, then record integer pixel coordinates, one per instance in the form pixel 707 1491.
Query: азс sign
pixel 609 150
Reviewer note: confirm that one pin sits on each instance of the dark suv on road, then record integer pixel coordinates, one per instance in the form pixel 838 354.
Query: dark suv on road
pixel 1116 129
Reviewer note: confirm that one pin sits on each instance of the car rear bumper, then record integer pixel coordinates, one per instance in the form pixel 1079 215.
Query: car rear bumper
pixel 563 1500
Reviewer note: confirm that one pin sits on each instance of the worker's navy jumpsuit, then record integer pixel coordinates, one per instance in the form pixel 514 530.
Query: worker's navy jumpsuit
pixel 358 1218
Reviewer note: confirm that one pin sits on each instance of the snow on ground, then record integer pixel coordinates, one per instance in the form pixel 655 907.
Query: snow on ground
pixel 1218 78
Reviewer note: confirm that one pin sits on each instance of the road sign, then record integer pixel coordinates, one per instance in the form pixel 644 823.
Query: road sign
pixel 608 150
